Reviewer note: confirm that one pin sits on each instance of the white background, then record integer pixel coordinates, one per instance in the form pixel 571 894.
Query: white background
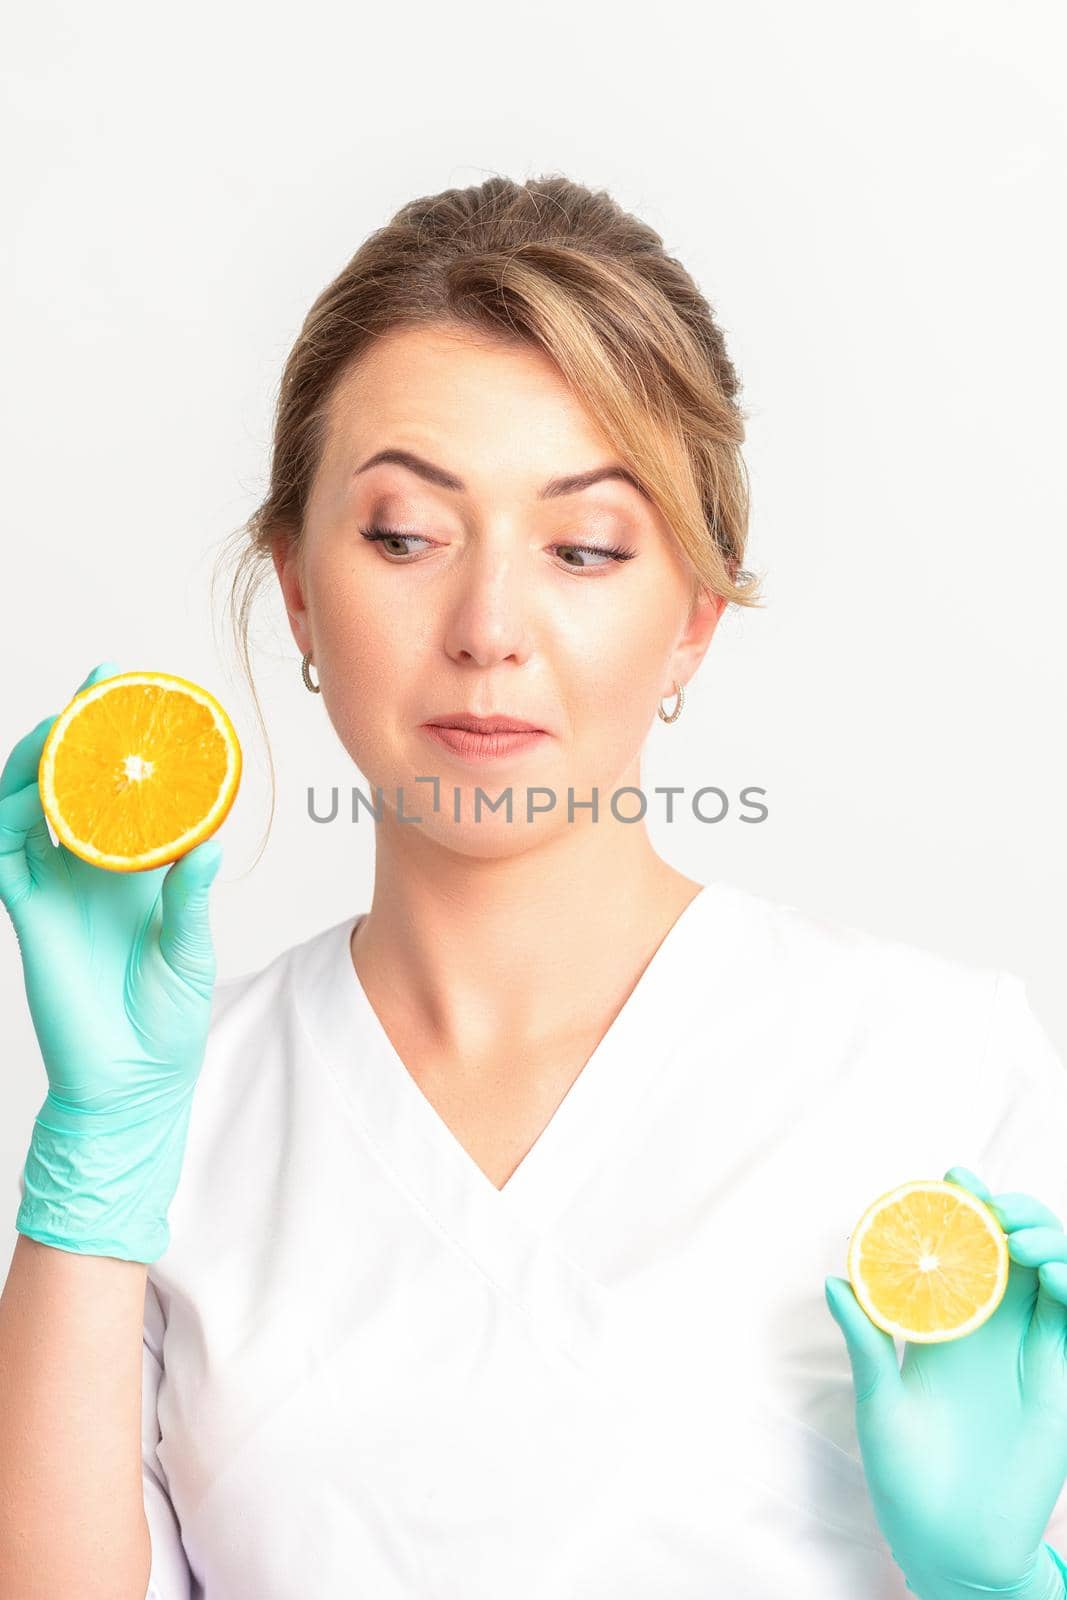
pixel 872 199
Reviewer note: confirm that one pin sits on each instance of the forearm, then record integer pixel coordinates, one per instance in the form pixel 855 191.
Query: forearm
pixel 72 1517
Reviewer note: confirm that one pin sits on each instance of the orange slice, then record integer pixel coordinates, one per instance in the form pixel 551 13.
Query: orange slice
pixel 928 1261
pixel 138 769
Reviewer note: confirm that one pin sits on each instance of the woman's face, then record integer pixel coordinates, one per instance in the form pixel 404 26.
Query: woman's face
pixel 483 600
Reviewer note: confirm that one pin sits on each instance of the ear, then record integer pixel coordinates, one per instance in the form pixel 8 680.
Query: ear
pixel 285 553
pixel 689 652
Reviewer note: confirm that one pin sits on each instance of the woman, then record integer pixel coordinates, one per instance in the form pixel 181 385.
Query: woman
pixel 493 1254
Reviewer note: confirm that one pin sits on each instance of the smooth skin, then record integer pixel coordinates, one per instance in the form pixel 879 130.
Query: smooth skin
pixel 496 954
pixel 964 1443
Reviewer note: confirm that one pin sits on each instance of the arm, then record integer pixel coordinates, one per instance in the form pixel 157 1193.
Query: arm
pixel 119 970
pixel 72 1518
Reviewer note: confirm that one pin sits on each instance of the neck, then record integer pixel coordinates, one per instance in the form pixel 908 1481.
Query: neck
pixel 471 955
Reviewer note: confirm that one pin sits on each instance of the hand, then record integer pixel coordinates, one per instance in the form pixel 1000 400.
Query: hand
pixel 964 1446
pixel 119 971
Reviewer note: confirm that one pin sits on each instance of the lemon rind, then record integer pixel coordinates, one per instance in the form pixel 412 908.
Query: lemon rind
pixel 900 1330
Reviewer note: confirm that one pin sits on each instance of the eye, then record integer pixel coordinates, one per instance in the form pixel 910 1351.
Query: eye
pixel 613 552
pixel 378 534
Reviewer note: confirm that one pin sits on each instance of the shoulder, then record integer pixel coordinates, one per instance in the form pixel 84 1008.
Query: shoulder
pixel 265 990
pixel 256 1018
pixel 254 1084
pixel 866 1020
pixel 854 977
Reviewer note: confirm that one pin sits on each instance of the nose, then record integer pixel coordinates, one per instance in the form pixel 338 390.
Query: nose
pixel 487 618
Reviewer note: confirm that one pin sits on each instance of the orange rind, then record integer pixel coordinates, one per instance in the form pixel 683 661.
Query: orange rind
pixel 138 769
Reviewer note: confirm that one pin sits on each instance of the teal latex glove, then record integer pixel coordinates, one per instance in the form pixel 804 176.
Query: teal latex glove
pixel 119 971
pixel 964 1445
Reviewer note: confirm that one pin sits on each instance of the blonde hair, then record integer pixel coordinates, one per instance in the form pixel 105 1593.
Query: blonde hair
pixel 561 267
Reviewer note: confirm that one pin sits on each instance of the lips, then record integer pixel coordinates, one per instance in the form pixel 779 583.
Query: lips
pixel 476 745
pixel 495 724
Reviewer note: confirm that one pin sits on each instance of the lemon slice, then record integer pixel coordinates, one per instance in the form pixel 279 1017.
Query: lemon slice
pixel 138 769
pixel 928 1261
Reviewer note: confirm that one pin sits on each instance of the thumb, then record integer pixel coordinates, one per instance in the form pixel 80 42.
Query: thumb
pixel 103 669
pixel 871 1350
pixel 185 935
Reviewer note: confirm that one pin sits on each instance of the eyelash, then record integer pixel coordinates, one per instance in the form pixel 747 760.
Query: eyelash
pixel 617 552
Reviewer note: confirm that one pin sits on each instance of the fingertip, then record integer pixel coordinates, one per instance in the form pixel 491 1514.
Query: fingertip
pixel 964 1178
pixel 836 1289
pixel 103 669
pixel 1052 1276
pixel 831 1300
pixel 205 858
pixel 1015 1209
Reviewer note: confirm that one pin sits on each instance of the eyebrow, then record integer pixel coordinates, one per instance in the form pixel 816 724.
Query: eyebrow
pixel 572 484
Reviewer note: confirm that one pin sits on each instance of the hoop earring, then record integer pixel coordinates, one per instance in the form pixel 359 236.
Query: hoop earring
pixel 307 676
pixel 680 692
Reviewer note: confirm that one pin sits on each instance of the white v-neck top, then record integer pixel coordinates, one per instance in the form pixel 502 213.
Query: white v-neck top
pixel 368 1372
